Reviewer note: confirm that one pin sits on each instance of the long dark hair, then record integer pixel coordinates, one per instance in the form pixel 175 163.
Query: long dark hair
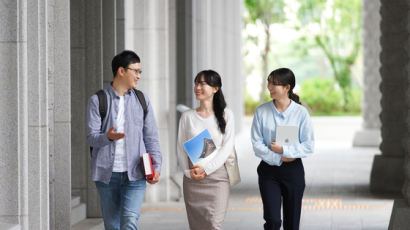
pixel 213 79
pixel 284 76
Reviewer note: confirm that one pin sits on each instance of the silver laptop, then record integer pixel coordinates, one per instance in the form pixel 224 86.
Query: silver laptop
pixel 287 134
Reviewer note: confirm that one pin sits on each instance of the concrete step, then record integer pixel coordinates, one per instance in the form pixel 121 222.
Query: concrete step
pixel 78 213
pixel 75 200
pixel 4 226
pixel 89 224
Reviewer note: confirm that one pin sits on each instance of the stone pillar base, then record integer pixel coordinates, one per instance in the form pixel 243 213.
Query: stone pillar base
pixel 167 189
pixel 93 201
pixel 177 181
pixel 387 175
pixel 367 138
pixel 9 226
pixel 399 219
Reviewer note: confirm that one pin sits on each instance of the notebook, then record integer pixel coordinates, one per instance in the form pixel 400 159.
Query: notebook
pixel 149 172
pixel 200 146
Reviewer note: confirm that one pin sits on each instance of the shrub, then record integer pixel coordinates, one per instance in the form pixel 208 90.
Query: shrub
pixel 321 96
pixel 324 97
pixel 250 104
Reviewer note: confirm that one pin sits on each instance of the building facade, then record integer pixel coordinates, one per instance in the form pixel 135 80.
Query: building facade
pixel 55 54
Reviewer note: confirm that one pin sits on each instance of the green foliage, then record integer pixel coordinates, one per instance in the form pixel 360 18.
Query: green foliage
pixel 268 11
pixel 339 23
pixel 250 104
pixel 311 11
pixel 332 27
pixel 322 98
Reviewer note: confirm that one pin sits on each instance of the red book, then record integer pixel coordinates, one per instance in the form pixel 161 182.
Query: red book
pixel 146 160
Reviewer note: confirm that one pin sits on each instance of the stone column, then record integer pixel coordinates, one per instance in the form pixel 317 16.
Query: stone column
pixel 369 135
pixel 94 82
pixel 182 58
pixel 34 34
pixel 387 171
pixel 184 53
pixel 58 51
pixel 147 33
pixel 109 38
pixel 13 115
pixel 176 177
pixel 396 40
pixel 38 126
pixel 79 148
pixel 120 20
pixel 98 35
pixel 216 36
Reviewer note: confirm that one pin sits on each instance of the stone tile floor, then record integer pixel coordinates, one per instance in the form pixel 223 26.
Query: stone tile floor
pixel 336 197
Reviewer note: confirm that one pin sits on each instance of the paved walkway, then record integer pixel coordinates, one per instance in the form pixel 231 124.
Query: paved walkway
pixel 336 197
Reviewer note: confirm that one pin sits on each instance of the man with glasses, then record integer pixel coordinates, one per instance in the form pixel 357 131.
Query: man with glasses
pixel 118 141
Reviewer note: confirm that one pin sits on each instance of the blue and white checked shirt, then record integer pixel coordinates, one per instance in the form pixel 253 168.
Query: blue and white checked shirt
pixel 140 136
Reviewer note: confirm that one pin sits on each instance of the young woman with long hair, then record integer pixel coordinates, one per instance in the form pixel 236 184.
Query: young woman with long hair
pixel 206 184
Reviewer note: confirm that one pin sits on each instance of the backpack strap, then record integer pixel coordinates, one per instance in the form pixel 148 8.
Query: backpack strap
pixel 102 99
pixel 102 107
pixel 141 98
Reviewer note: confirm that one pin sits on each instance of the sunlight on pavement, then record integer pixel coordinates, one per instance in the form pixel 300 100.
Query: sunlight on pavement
pixel 324 204
pixel 307 204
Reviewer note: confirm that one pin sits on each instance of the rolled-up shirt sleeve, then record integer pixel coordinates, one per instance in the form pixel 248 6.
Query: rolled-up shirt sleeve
pixel 261 149
pixel 182 156
pixel 95 137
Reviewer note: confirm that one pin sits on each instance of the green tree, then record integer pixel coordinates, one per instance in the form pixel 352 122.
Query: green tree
pixel 334 26
pixel 267 12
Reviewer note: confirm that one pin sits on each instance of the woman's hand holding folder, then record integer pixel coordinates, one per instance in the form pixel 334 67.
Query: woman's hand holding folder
pixel 197 172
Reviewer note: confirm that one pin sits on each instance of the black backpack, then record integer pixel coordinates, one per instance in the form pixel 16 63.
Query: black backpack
pixel 102 99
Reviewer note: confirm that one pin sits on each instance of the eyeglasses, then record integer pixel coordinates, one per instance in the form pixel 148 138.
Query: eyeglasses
pixel 137 71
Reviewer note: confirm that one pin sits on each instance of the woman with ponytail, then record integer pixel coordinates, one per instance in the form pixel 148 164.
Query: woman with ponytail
pixel 206 184
pixel 281 175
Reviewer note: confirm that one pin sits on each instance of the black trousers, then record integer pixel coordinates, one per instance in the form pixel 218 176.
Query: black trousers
pixel 282 183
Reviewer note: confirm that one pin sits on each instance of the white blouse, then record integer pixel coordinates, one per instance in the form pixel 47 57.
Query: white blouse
pixel 191 124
